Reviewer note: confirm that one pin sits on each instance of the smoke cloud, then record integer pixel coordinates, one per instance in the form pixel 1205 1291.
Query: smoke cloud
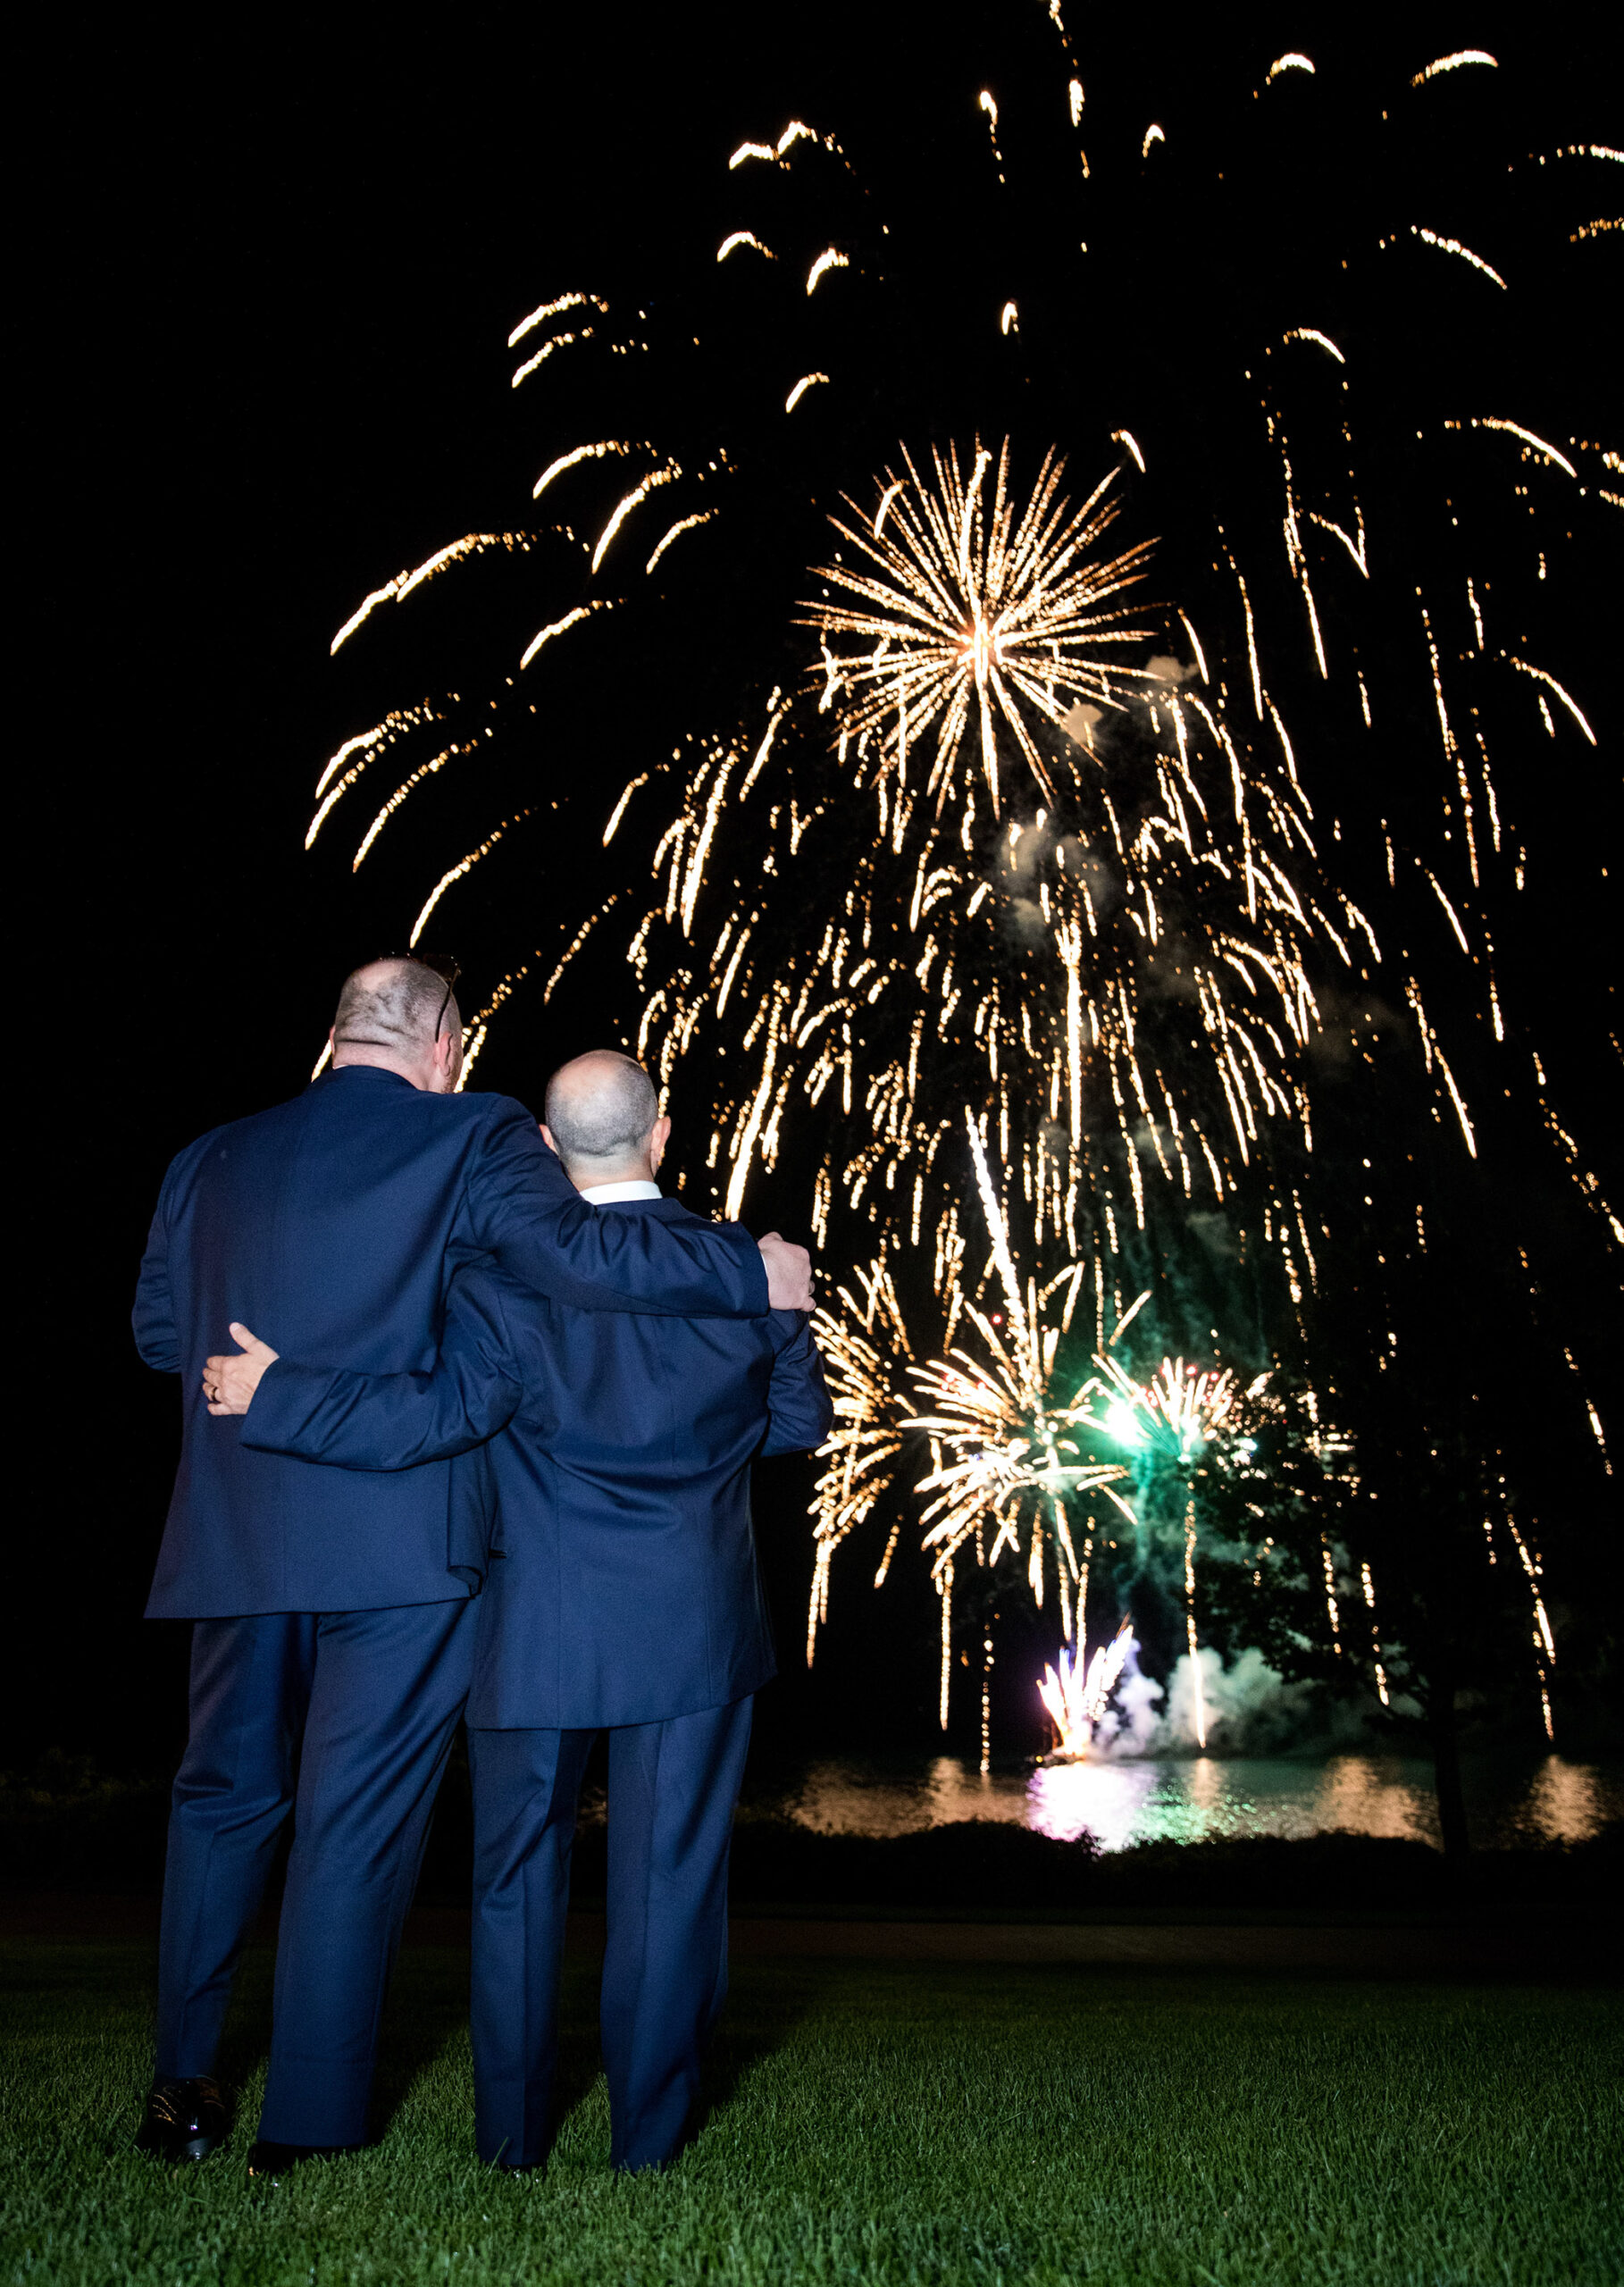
pixel 1168 670
pixel 1080 724
pixel 1250 1709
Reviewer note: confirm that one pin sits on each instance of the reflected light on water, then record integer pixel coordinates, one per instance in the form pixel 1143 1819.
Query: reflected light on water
pixel 1566 1802
pixel 1195 1801
pixel 1108 1800
pixel 1205 1797
pixel 1356 1796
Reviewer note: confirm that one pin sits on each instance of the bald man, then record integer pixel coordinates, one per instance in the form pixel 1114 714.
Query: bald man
pixel 623 1596
pixel 332 1638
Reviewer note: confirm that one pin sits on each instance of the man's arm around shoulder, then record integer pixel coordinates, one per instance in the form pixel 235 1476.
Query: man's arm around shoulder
pixel 392 1422
pixel 525 1210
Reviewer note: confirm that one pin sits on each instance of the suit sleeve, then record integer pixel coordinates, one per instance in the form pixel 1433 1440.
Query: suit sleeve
pixel 392 1422
pixel 156 1337
pixel 798 1397
pixel 525 1210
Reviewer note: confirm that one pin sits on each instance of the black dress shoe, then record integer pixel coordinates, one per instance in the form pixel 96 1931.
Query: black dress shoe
pixel 273 2162
pixel 186 2120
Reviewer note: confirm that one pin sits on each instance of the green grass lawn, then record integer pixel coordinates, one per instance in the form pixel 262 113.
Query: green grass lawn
pixel 872 2122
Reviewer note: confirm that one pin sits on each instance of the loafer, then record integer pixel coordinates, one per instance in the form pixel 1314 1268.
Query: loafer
pixel 185 2119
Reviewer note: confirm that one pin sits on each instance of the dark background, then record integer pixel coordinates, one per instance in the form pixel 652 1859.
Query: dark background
pixel 274 263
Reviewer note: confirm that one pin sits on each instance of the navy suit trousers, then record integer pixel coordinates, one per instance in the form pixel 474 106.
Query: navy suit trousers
pixel 344 1719
pixel 673 1786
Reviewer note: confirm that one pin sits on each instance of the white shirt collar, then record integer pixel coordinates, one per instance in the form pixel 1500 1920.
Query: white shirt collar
pixel 605 1194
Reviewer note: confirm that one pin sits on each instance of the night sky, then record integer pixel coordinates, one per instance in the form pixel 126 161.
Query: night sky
pixel 275 267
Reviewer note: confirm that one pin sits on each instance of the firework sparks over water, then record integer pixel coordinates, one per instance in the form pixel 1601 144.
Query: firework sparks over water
pixel 1015 1465
pixel 1006 1467
pixel 1055 821
pixel 1075 1697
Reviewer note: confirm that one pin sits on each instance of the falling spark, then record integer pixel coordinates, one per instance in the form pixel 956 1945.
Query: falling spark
pixel 456 873
pixel 1516 429
pixel 1124 437
pixel 364 610
pixel 1453 63
pixel 1312 333
pixel 365 745
pixel 560 627
pixel 556 342
pixel 1551 683
pixel 1455 246
pixel 619 444
pixel 424 770
pixel 632 500
pixel 990 107
pixel 682 524
pixel 552 310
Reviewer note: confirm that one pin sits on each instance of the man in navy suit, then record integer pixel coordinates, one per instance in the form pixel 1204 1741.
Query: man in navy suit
pixel 622 1595
pixel 332 1645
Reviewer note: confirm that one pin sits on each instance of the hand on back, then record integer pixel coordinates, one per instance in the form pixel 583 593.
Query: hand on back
pixel 229 1383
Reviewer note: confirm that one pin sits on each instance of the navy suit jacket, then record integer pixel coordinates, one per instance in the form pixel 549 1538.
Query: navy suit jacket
pixel 331 1226
pixel 623 1585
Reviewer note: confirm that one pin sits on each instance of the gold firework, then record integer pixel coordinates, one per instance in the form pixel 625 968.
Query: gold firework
pixel 1006 1464
pixel 968 607
pixel 1120 985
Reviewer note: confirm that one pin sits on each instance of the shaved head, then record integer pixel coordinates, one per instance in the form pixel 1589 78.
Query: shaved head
pixel 601 1112
pixel 393 1005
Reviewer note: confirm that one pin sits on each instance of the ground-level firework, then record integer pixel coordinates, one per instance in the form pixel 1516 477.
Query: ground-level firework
pixel 1075 1696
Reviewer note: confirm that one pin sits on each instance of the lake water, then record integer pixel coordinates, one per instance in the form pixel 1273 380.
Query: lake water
pixel 1189 1799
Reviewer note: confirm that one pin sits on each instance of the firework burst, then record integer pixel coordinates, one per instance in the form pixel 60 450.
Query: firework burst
pixel 969 609
pixel 1141 889
pixel 1123 961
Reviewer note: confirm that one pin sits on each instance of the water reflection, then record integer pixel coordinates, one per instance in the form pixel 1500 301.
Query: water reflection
pixel 1566 1802
pixel 1127 1802
pixel 1369 1797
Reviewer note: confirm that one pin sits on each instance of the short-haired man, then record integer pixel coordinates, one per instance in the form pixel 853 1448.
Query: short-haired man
pixel 332 1645
pixel 623 1596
